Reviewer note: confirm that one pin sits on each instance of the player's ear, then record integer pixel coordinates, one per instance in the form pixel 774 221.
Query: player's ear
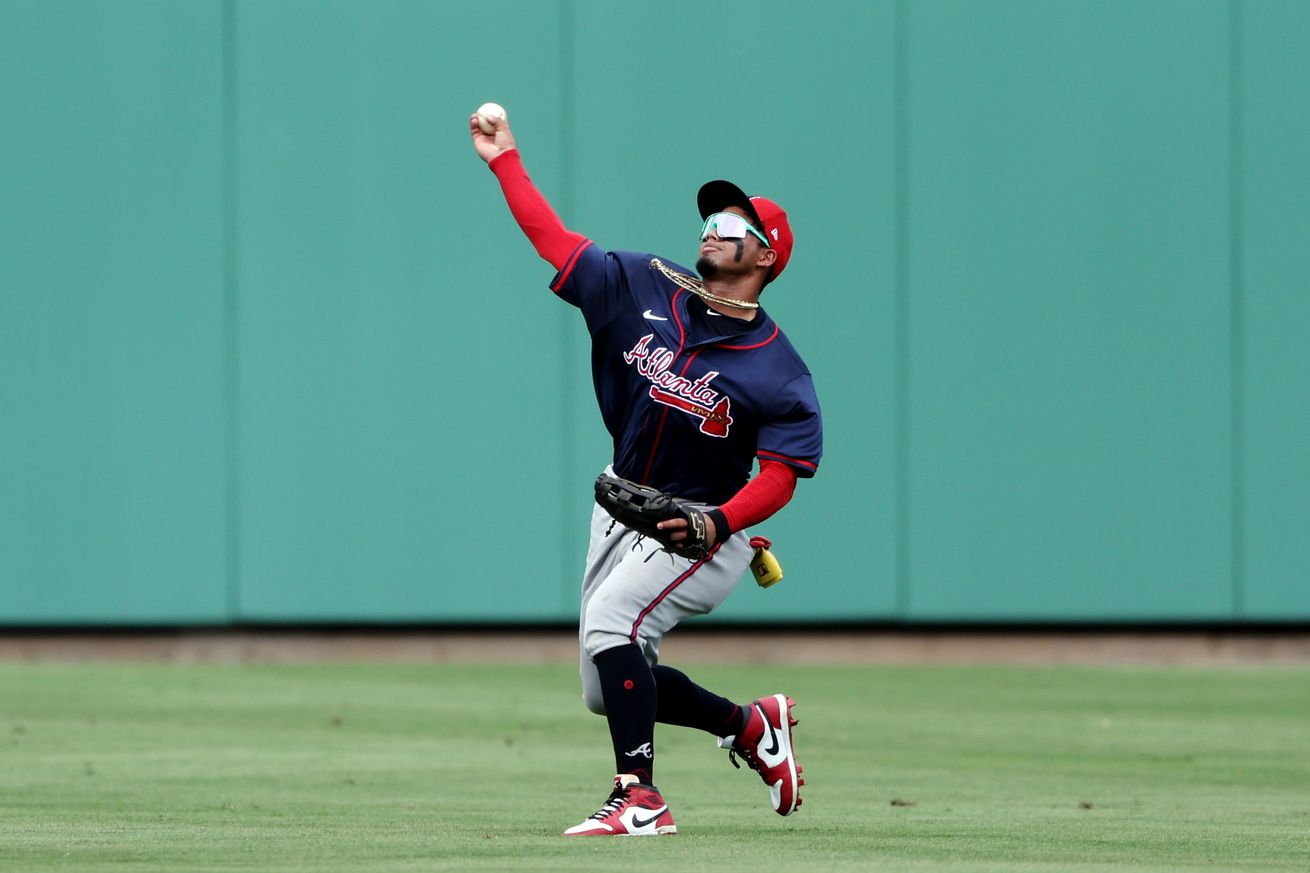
pixel 767 257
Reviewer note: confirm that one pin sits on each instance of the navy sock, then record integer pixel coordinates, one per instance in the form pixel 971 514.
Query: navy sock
pixel 683 702
pixel 630 695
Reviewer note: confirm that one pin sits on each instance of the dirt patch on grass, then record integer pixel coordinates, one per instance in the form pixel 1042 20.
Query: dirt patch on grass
pixel 687 645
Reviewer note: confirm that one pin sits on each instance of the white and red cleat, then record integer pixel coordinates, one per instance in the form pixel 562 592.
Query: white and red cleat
pixel 633 810
pixel 765 745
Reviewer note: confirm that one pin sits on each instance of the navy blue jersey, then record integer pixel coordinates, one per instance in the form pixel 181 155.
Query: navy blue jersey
pixel 690 397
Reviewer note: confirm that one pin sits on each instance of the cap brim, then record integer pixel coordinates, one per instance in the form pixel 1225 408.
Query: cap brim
pixel 718 195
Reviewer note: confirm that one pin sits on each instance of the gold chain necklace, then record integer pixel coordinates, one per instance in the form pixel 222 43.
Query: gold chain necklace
pixel 695 286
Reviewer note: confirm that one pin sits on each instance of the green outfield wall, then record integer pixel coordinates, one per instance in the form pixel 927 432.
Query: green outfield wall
pixel 272 350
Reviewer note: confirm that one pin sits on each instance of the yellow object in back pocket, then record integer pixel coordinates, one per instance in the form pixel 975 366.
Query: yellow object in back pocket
pixel 764 566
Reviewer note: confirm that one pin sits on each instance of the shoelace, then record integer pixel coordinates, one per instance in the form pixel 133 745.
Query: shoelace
pixel 617 796
pixel 746 755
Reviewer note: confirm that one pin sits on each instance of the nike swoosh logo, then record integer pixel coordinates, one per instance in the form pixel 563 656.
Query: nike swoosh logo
pixel 773 735
pixel 652 316
pixel 709 311
pixel 641 823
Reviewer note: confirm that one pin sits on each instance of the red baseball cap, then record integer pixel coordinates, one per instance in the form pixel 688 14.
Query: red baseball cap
pixel 718 195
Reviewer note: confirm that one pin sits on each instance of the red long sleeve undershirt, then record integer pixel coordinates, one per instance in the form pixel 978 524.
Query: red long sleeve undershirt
pixel 762 496
pixel 548 235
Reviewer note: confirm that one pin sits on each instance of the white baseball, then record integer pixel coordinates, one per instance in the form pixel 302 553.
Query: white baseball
pixel 486 113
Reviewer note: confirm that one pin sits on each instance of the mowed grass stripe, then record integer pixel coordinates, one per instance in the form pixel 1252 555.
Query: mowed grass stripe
pixel 336 767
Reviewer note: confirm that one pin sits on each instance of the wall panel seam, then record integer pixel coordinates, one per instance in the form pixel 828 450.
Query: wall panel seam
pixel 569 462
pixel 901 412
pixel 1236 327
pixel 231 320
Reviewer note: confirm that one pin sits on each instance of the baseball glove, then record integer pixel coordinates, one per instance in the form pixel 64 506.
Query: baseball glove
pixel 640 509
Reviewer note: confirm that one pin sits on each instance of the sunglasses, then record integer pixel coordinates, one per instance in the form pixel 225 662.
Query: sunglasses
pixel 729 225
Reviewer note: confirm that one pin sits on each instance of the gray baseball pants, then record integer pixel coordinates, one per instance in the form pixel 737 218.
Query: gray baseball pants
pixel 632 592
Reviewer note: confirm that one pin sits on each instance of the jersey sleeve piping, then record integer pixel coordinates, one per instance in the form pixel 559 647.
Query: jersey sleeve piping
pixel 569 264
pixel 796 462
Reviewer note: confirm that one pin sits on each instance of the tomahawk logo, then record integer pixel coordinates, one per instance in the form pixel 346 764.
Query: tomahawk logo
pixel 695 398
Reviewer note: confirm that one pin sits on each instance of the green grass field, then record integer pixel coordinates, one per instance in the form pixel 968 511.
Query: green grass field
pixel 331 767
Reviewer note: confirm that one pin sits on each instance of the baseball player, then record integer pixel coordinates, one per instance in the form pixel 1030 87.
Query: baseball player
pixel 695 383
